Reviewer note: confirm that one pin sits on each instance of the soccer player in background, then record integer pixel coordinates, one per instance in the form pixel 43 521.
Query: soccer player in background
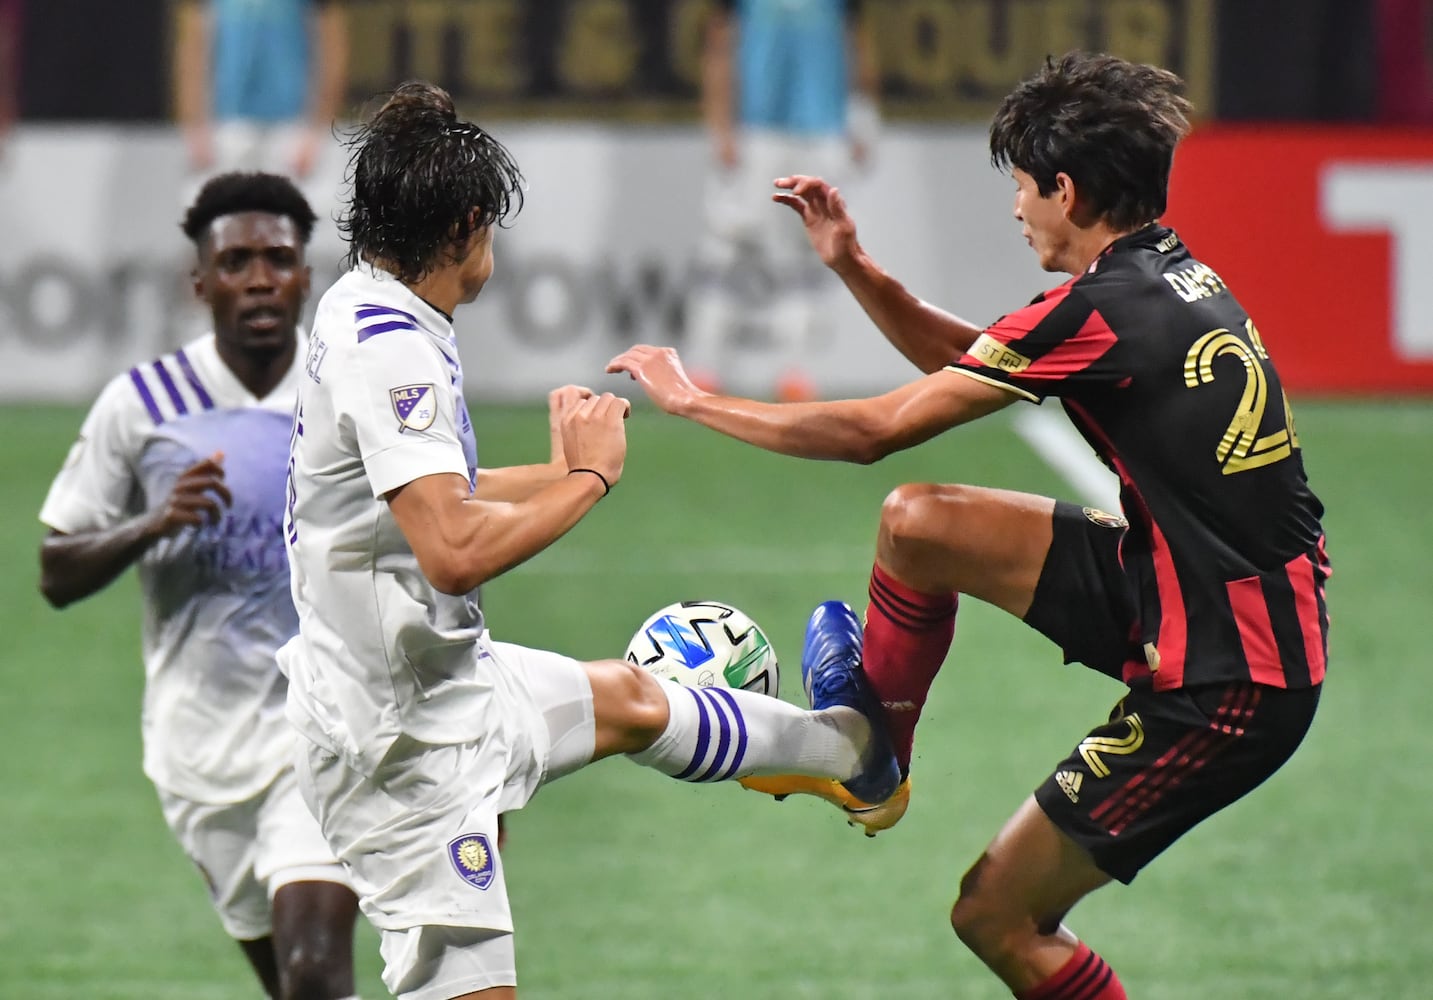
pixel 258 82
pixel 179 469
pixel 1208 601
pixel 422 729
pixel 788 86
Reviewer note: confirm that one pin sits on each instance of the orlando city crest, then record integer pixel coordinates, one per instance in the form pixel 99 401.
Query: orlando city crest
pixel 472 857
pixel 414 406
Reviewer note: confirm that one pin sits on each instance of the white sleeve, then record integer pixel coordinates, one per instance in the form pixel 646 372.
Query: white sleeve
pixel 94 487
pixel 398 396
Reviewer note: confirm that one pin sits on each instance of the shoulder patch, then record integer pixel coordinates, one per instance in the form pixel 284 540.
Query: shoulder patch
pixel 414 405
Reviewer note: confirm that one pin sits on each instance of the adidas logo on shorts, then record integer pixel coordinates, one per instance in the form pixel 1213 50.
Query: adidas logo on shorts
pixel 1069 782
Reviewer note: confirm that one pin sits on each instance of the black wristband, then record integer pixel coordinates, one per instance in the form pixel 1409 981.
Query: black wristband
pixel 606 486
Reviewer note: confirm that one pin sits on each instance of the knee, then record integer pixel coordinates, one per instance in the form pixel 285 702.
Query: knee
pixel 918 513
pixel 309 972
pixel 978 920
pixel 644 712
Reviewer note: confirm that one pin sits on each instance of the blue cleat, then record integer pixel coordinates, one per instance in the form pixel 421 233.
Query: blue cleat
pixel 832 675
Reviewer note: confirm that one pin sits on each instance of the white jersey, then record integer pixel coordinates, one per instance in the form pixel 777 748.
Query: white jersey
pixel 379 653
pixel 216 601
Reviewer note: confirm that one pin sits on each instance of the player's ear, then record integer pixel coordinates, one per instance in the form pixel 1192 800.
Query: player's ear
pixel 196 278
pixel 1065 191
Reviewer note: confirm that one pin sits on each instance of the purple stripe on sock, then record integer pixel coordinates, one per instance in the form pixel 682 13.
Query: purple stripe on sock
pixel 192 378
pixel 723 741
pixel 377 328
pixel 179 405
pixel 144 394
pixel 704 736
pixel 730 699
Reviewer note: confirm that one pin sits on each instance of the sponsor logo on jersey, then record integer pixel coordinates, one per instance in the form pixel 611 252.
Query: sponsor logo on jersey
pixel 414 406
pixel 1069 782
pixel 472 857
pixel 1105 519
pixel 993 354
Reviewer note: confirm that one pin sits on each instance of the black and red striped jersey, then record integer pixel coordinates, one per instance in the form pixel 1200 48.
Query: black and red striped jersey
pixel 1166 376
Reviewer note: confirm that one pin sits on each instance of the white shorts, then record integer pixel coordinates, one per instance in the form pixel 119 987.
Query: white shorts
pixel 419 835
pixel 247 850
pixel 738 201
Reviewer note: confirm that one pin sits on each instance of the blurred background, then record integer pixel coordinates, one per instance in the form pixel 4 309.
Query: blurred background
pixel 1308 185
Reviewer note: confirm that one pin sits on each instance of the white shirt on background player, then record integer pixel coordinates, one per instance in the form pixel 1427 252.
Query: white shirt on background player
pixel 216 602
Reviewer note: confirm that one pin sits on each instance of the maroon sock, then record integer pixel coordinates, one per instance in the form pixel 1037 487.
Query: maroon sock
pixel 1084 977
pixel 908 634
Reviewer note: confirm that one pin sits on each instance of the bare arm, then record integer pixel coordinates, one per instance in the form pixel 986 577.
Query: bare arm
pixel 863 115
pixel 330 80
pixel 9 66
pixel 865 68
pixel 718 83
pixel 191 79
pixel 74 566
pixel 930 338
pixel 852 430
pixel 462 541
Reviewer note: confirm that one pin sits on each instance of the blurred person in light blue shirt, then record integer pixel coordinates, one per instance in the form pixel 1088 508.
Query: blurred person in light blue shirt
pixel 259 82
pixel 788 86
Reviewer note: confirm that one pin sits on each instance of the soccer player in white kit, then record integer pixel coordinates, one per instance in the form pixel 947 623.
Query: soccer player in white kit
pixel 179 469
pixel 422 729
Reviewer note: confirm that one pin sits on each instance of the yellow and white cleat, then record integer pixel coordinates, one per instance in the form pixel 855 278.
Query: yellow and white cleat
pixel 871 818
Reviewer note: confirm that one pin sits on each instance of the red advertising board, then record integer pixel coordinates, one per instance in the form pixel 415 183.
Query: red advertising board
pixel 1326 237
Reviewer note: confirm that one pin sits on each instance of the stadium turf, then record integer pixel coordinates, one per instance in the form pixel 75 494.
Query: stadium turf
pixel 632 887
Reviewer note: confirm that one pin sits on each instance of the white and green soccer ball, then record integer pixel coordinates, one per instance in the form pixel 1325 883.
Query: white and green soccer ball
pixel 706 644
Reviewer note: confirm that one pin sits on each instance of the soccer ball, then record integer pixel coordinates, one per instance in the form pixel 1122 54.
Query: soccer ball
pixel 706 644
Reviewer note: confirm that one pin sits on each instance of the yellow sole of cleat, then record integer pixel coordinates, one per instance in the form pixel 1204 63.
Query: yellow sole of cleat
pixel 872 819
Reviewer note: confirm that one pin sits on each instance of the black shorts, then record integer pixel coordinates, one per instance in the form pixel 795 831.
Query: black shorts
pixel 1083 601
pixel 1165 760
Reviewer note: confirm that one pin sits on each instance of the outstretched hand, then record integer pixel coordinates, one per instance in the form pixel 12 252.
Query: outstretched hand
pixel 659 371
pixel 829 226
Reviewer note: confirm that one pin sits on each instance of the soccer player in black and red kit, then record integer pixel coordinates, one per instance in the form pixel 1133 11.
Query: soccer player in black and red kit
pixel 1206 598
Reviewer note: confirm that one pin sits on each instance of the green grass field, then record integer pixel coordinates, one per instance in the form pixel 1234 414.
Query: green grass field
pixel 631 887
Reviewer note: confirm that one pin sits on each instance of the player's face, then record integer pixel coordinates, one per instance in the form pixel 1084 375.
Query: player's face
pixel 253 276
pixel 477 266
pixel 1044 220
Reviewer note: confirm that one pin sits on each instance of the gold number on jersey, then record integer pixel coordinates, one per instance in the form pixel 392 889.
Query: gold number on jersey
pixel 1241 448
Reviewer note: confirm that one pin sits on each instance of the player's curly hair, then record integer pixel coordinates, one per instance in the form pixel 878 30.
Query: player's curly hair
pixel 423 181
pixel 228 194
pixel 1109 124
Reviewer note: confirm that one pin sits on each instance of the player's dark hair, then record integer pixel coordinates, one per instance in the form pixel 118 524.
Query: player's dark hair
pixel 423 181
pixel 1109 124
pixel 229 194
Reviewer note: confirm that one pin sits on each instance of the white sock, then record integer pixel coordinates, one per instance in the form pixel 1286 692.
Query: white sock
pixel 716 734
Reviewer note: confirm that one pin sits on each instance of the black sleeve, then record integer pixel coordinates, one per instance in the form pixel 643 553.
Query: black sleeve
pixel 853 9
pixel 727 5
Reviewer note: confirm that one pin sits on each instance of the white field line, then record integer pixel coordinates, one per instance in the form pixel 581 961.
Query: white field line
pixel 1050 434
